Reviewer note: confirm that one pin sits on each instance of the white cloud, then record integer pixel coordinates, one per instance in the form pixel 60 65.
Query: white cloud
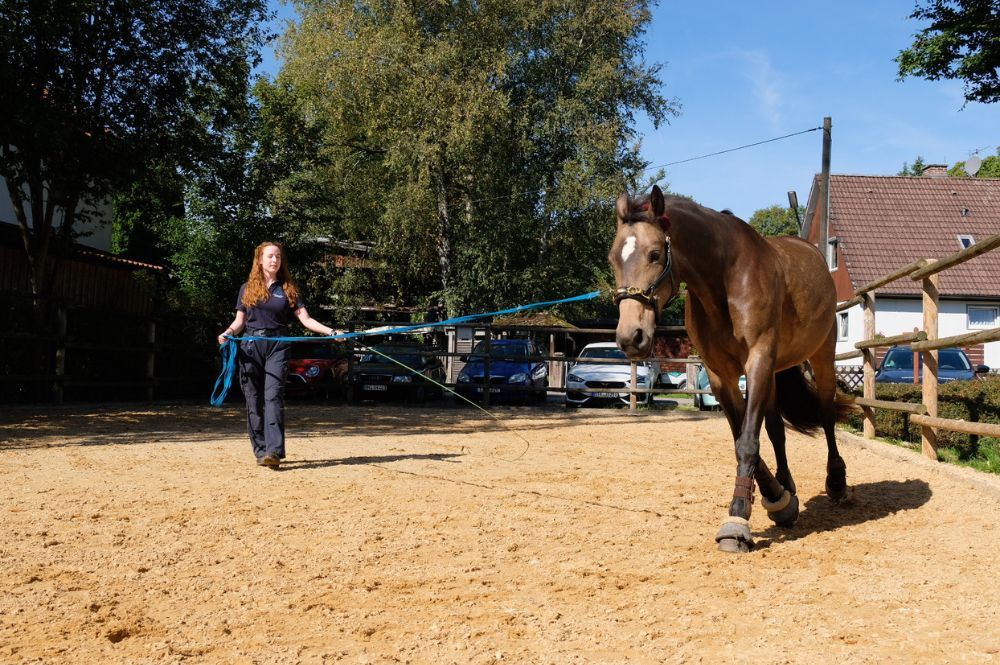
pixel 767 83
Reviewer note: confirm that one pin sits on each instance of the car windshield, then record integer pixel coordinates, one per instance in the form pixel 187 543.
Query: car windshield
pixel 902 359
pixel 898 359
pixel 952 359
pixel 502 350
pixel 603 352
pixel 305 351
pixel 404 355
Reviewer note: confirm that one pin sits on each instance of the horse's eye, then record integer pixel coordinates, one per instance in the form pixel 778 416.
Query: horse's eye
pixel 654 256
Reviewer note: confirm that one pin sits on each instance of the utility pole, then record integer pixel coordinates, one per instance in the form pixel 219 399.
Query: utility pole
pixel 824 192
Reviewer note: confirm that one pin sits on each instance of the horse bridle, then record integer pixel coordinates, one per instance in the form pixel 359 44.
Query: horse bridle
pixel 648 295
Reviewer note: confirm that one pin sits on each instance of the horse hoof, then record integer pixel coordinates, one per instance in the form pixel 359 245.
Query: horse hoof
pixel 784 511
pixel 734 536
pixel 842 498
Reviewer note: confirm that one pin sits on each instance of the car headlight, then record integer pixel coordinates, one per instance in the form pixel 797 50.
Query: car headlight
pixel 464 378
pixel 520 377
pixel 574 378
pixel 313 371
pixel 539 372
pixel 641 380
pixel 406 378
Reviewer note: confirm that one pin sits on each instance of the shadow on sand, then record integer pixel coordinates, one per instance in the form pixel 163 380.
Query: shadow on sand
pixel 870 502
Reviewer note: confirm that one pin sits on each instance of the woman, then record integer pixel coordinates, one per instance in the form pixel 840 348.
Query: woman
pixel 263 306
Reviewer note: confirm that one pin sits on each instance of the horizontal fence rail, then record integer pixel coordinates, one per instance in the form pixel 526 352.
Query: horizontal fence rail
pixel 925 341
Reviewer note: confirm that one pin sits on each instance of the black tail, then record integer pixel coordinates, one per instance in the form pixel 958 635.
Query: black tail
pixel 798 400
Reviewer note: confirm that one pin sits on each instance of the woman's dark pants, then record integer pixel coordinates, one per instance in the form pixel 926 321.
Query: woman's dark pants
pixel 263 367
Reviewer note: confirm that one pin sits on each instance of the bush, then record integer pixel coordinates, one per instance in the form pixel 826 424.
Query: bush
pixel 974 401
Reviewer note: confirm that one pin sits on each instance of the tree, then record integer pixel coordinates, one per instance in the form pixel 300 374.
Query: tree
pixel 777 220
pixel 990 168
pixel 916 170
pixel 962 42
pixel 96 93
pixel 476 146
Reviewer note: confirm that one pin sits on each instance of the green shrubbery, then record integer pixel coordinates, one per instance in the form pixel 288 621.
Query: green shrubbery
pixel 975 401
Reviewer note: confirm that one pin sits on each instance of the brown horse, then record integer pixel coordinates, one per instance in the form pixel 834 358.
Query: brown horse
pixel 755 306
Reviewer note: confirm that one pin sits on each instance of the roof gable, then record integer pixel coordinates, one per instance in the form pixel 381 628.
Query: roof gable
pixel 882 223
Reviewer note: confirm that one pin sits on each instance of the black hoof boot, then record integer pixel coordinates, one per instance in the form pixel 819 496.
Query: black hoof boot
pixel 784 511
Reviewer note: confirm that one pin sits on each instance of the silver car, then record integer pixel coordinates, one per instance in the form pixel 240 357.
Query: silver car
pixel 589 381
pixel 708 402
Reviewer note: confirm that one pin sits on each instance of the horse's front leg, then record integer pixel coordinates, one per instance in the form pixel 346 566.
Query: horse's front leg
pixel 734 536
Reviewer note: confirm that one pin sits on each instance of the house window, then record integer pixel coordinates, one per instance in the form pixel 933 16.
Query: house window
pixel 831 253
pixel 841 325
pixel 966 241
pixel 982 317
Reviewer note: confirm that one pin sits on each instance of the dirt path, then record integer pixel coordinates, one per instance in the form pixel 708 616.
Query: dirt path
pixel 439 536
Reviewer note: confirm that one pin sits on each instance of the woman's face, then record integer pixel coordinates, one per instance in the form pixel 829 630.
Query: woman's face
pixel 270 260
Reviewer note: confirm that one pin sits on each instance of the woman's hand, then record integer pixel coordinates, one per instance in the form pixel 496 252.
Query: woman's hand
pixel 222 337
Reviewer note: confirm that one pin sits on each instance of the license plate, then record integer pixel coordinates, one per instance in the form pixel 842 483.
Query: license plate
pixel 375 386
pixel 607 395
pixel 492 390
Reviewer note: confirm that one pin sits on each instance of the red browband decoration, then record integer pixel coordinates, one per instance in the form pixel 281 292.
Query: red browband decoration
pixel 664 219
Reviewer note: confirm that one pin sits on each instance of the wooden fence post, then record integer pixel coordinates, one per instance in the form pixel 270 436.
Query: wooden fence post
pixel 928 437
pixel 150 359
pixel 868 376
pixel 60 368
pixel 631 393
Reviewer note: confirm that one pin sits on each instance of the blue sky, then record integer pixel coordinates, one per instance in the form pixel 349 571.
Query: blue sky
pixel 745 72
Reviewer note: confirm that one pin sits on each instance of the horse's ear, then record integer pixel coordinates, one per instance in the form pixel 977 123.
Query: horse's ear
pixel 656 202
pixel 622 208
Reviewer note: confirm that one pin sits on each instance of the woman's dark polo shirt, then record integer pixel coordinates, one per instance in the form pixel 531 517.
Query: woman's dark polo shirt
pixel 270 314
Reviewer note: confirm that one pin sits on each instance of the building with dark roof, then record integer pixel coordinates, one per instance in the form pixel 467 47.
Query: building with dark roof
pixel 878 224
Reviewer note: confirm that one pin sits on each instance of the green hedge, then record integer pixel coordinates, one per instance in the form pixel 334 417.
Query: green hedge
pixel 977 401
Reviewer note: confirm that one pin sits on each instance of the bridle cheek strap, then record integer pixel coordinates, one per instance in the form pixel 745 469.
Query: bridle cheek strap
pixel 648 295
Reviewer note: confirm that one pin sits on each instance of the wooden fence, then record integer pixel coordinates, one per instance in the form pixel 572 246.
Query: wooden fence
pixel 925 341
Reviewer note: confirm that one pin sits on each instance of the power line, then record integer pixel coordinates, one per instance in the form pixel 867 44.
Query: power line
pixel 722 152
pixel 651 168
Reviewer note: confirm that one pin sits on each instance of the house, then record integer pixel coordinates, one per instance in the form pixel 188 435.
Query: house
pixel 878 224
pixel 91 276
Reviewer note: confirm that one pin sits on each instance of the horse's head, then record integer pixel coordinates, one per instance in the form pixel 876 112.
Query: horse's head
pixel 641 259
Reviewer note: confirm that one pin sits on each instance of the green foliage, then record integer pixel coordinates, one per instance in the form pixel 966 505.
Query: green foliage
pixel 777 220
pixel 962 42
pixel 990 168
pixel 99 96
pixel 916 170
pixel 977 401
pixel 477 147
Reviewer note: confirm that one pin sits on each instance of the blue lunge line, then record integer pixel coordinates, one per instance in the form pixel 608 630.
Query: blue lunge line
pixel 225 380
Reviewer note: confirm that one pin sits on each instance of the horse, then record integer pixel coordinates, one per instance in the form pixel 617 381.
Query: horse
pixel 763 307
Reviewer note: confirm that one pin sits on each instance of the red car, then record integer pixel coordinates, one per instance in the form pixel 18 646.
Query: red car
pixel 316 370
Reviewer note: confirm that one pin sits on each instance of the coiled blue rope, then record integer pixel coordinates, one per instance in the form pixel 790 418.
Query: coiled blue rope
pixel 229 349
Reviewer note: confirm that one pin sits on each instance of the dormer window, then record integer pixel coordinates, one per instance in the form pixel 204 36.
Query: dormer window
pixel 965 241
pixel 832 258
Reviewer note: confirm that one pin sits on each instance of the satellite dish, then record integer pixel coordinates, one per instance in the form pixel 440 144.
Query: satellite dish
pixel 972 165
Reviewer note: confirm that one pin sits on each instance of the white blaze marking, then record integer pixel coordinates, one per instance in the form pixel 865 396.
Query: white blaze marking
pixel 628 248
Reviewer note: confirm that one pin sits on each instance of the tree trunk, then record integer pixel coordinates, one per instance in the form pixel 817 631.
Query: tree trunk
pixel 444 246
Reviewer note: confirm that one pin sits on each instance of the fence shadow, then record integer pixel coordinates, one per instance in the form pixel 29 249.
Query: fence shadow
pixel 870 502
pixel 130 424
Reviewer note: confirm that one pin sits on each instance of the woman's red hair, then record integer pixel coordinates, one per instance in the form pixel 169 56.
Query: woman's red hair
pixel 256 291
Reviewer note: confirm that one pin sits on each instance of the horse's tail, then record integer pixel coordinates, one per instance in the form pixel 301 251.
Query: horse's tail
pixel 798 400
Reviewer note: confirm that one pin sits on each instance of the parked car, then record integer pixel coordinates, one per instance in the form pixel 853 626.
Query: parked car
pixel 316 370
pixel 673 379
pixel 408 375
pixel 516 367
pixel 589 382
pixel 708 401
pixel 953 365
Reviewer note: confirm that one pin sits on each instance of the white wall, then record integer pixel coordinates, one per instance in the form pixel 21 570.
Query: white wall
pixel 97 234
pixel 895 316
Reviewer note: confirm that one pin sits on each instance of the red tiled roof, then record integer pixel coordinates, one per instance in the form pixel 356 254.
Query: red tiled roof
pixel 883 223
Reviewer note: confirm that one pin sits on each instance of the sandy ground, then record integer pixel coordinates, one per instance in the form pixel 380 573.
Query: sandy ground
pixel 422 535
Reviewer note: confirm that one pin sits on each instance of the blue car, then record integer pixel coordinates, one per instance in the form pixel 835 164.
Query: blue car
pixel 517 372
pixel 953 365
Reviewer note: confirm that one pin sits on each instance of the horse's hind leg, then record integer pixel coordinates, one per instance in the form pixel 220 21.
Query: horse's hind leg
pixel 826 386
pixel 778 491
